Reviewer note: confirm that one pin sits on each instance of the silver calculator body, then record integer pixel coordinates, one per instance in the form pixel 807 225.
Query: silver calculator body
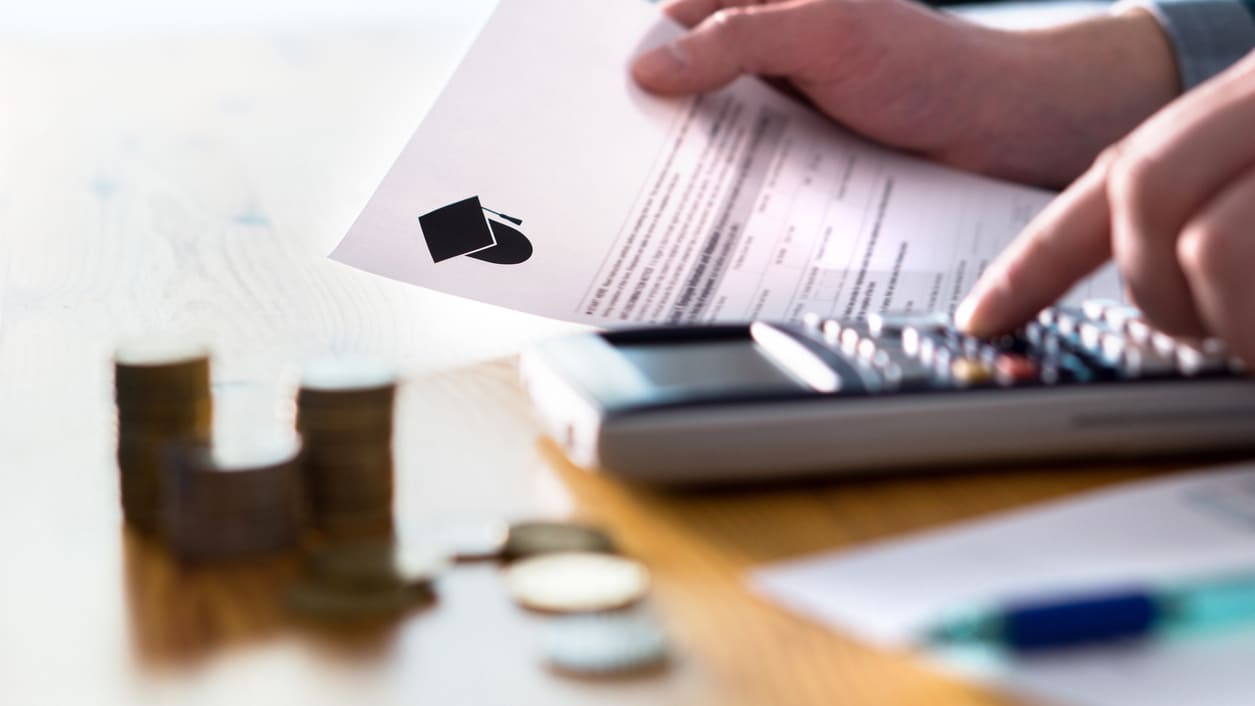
pixel 747 402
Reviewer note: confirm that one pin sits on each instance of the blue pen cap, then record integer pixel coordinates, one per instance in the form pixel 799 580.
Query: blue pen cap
pixel 1048 624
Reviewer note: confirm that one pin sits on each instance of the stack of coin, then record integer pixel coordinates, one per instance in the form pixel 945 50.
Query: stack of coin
pixel 162 394
pixel 233 499
pixel 364 580
pixel 344 414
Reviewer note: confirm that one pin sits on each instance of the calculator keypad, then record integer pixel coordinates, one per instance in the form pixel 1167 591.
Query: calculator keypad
pixel 1100 340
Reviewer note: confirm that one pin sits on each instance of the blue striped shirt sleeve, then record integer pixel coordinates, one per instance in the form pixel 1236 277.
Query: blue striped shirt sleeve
pixel 1208 36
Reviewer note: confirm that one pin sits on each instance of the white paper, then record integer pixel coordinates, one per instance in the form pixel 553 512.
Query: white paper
pixel 1186 526
pixel 735 205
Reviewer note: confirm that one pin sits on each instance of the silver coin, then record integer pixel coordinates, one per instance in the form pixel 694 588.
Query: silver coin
pixel 601 644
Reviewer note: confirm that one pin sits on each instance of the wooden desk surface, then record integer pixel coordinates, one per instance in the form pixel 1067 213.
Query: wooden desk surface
pixel 196 184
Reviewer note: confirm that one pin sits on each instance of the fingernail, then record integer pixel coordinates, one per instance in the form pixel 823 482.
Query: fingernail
pixel 963 315
pixel 662 62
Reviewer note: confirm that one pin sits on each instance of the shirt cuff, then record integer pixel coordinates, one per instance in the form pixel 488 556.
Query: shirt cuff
pixel 1208 36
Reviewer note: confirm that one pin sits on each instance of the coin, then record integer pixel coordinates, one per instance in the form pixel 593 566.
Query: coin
pixel 233 498
pixel 525 539
pixel 320 601
pixel 161 387
pixel 576 582
pixel 375 564
pixel 345 416
pixel 604 644
pixel 160 369
pixel 338 374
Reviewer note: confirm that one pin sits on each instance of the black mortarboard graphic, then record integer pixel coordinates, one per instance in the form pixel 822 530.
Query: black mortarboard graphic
pixel 461 228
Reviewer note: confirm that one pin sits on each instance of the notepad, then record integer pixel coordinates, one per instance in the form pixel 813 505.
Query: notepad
pixel 1196 524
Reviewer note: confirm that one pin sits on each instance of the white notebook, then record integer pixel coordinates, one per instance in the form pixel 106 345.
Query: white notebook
pixel 1193 525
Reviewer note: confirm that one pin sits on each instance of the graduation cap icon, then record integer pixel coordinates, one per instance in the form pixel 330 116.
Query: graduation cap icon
pixel 467 228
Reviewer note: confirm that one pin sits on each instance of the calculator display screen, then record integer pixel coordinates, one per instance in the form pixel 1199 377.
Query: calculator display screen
pixel 702 368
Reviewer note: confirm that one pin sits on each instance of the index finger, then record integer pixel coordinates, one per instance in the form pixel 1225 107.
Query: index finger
pixel 690 13
pixel 1068 240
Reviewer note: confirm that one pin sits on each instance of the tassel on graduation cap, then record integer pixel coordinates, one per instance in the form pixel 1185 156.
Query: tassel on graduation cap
pixel 512 219
pixel 461 228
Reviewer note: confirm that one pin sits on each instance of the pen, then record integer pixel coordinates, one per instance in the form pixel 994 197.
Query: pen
pixel 1100 616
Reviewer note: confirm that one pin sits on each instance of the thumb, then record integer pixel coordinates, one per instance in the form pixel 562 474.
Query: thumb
pixel 759 39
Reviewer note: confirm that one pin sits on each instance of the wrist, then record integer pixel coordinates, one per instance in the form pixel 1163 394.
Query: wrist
pixel 1067 92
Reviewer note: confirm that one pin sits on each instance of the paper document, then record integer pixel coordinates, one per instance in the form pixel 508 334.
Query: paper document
pixel 1190 526
pixel 544 179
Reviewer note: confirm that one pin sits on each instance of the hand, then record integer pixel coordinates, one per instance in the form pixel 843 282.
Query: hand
pixel 1174 203
pixel 1032 106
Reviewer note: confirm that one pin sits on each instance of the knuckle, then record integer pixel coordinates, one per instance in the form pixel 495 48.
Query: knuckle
pixel 729 20
pixel 1205 248
pixel 732 28
pixel 1108 157
pixel 736 24
pixel 1133 178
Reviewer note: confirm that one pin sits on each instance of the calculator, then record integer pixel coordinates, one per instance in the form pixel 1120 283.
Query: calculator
pixel 718 403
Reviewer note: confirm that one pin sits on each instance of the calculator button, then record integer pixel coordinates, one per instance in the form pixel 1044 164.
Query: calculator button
pixel 1213 346
pixel 1012 369
pixel 989 355
pixel 872 348
pixel 831 331
pixel 1138 330
pixel 1095 308
pixel 907 374
pixel 968 371
pixel 1201 358
pixel 1035 332
pixel 1066 322
pixel 1041 340
pixel 896 324
pixel 923 345
pixel 1137 361
pixel 971 347
pixel 912 339
pixel 1117 316
pixel 939 359
pixel 811 321
pixel 936 349
pixel 1163 343
pixel 881 359
pixel 1090 335
pixel 850 337
pixel 801 355
pixel 865 349
pixel 1111 347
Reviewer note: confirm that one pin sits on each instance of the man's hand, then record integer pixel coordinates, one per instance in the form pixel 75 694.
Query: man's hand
pixel 1174 203
pixel 1031 106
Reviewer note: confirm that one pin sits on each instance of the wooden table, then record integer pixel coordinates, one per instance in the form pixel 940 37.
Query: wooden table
pixel 195 184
